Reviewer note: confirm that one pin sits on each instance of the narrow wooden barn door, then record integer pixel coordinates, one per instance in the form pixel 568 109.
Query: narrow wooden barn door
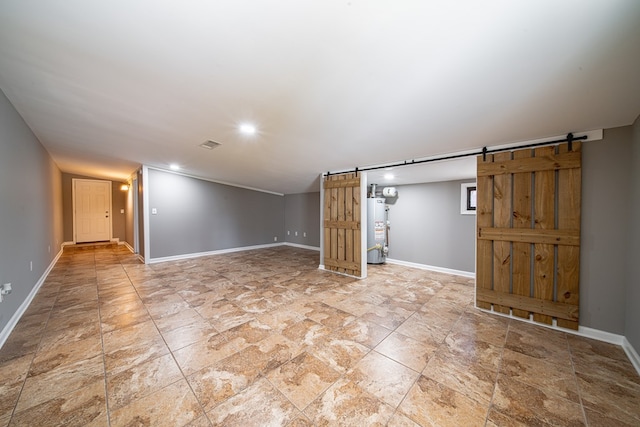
pixel 528 221
pixel 342 232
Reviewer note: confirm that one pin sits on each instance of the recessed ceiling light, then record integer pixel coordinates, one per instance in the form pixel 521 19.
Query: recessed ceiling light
pixel 174 167
pixel 248 129
pixel 388 176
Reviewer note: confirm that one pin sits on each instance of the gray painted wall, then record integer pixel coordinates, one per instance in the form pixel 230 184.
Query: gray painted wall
pixel 427 227
pixel 30 209
pixel 606 183
pixel 195 216
pixel 118 202
pixel 632 321
pixel 302 215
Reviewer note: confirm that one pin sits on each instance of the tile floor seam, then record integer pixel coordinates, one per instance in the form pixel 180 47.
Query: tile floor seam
pixel 575 378
pixel 35 353
pixel 397 408
pixel 104 361
pixel 170 351
pixel 495 383
pixel 450 298
pixel 577 383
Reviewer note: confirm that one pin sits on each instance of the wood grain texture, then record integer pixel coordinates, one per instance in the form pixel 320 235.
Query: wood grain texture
pixel 550 237
pixel 327 228
pixel 502 208
pixel 528 241
pixel 545 160
pixel 357 233
pixel 341 218
pixel 548 308
pixel 544 218
pixel 348 216
pixel 342 182
pixel 342 224
pixel 522 222
pixel 484 218
pixel 568 270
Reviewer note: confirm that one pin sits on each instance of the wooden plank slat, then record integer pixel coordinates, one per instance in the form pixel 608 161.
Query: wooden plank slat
pixel 521 270
pixel 546 307
pixel 343 265
pixel 546 161
pixel 327 231
pixel 341 218
pixel 342 224
pixel 502 211
pixel 341 182
pixel 334 217
pixel 347 225
pixel 568 270
pixel 544 218
pixel 357 233
pixel 550 237
pixel 348 214
pixel 484 218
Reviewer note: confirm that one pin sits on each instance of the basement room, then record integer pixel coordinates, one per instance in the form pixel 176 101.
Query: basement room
pixel 335 213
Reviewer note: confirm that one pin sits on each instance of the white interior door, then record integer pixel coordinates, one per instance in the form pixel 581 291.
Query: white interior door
pixel 92 210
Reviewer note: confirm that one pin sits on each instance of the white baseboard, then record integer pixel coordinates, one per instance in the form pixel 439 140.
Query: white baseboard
pixel 470 274
pixel 297 245
pixel 128 246
pixel 321 267
pixel 632 354
pixel 209 253
pixel 68 243
pixel 586 332
pixel 597 334
pixel 6 331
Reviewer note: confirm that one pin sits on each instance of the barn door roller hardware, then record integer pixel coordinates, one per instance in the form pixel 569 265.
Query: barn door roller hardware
pixel 569 138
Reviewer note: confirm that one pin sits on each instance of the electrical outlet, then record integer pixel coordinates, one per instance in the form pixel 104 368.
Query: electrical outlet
pixel 296 233
pixel 304 234
pixel 275 238
pixel 49 249
pixel 288 233
pixel 5 290
pixel 30 265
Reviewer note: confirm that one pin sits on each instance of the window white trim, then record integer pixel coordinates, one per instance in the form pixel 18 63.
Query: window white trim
pixel 464 198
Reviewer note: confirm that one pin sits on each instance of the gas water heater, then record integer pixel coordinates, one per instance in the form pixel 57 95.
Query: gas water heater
pixel 377 228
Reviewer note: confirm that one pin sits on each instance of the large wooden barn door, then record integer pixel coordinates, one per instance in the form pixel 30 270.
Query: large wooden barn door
pixel 342 235
pixel 528 223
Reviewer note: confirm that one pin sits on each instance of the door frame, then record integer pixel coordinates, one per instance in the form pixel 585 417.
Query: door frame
pixel 73 198
pixel 134 195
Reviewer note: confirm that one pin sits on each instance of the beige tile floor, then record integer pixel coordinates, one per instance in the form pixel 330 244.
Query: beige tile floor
pixel 265 338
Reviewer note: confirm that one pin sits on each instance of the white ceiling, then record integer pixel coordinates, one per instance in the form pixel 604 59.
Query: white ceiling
pixel 330 85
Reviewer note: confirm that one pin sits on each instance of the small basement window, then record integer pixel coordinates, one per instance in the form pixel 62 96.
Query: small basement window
pixel 468 196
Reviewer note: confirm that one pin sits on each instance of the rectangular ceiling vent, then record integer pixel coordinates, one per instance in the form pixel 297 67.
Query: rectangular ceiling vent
pixel 210 145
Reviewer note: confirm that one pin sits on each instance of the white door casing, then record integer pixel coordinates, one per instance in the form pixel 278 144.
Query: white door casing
pixel 91 210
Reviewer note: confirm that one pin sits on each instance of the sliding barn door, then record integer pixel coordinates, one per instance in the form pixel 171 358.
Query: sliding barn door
pixel 342 233
pixel 528 220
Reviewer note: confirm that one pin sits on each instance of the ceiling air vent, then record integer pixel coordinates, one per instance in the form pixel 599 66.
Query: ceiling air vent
pixel 210 145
